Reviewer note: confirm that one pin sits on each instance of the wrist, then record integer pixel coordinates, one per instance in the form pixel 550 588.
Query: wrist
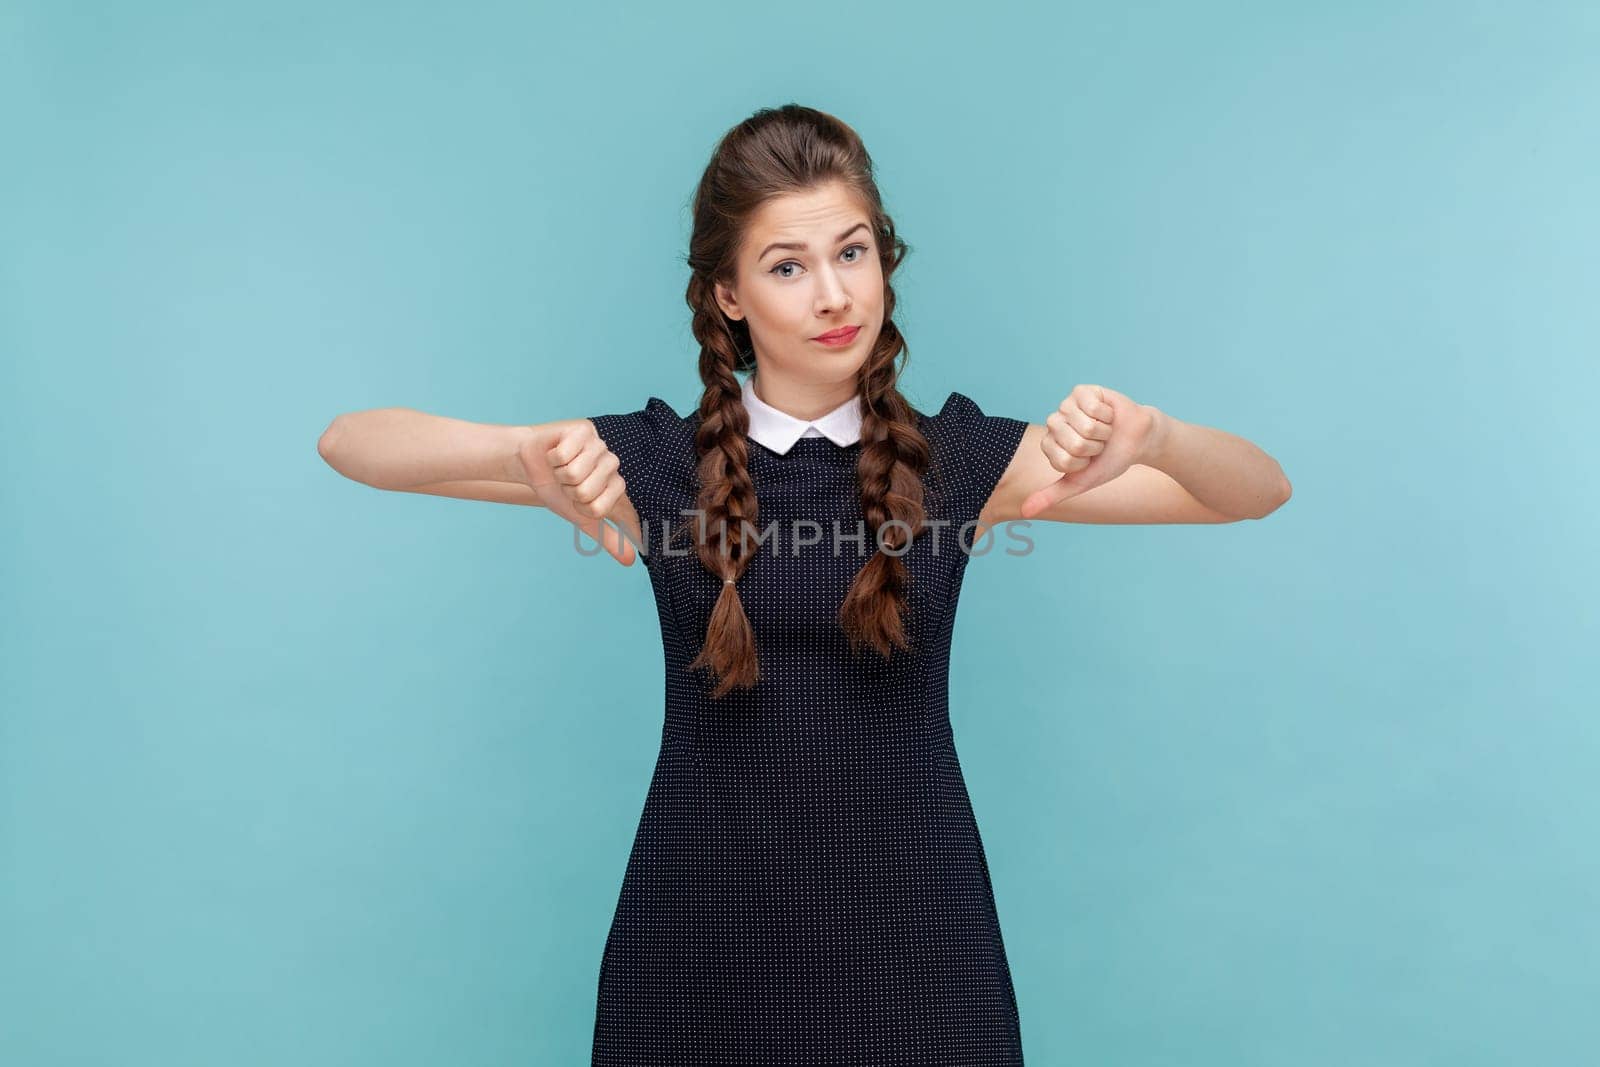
pixel 1159 439
pixel 512 469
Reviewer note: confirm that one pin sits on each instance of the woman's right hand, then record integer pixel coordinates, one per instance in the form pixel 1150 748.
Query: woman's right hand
pixel 574 474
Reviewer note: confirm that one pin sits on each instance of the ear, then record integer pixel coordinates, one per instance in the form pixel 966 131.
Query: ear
pixel 727 301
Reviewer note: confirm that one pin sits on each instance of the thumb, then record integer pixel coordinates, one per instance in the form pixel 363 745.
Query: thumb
pixel 619 547
pixel 1063 488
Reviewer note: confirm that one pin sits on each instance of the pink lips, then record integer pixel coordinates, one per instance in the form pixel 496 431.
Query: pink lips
pixel 839 337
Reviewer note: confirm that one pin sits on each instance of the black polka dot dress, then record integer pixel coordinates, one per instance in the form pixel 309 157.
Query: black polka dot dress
pixel 807 884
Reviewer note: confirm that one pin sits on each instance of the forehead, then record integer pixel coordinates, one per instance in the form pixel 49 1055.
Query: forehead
pixel 813 215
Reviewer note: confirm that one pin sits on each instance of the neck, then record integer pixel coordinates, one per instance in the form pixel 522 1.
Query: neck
pixel 801 399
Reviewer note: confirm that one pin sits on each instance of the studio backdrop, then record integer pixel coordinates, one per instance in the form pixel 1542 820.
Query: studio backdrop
pixel 296 771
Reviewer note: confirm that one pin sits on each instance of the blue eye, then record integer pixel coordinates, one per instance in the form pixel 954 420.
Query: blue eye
pixel 787 262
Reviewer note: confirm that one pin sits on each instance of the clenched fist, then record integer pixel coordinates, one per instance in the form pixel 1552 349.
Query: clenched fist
pixel 1093 436
pixel 576 476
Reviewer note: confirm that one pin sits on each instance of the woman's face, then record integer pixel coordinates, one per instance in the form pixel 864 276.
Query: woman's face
pixel 789 294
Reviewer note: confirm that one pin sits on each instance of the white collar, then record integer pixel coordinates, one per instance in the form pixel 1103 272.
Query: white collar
pixel 779 430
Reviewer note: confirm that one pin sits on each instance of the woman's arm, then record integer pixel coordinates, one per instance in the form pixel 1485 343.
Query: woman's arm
pixel 494 492
pixel 563 466
pixel 404 449
pixel 1222 470
pixel 1102 458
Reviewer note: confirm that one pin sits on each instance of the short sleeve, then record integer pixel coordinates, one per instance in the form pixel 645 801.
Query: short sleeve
pixel 975 450
pixel 644 441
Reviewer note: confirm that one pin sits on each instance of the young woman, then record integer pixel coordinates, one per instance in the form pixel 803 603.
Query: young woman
pixel 807 884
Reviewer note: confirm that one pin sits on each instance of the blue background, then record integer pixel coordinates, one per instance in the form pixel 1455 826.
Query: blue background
pixel 294 771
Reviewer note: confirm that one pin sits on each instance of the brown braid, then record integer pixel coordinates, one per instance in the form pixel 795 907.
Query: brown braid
pixel 774 152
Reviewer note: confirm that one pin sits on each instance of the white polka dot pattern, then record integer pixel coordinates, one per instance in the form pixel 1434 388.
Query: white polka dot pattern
pixel 807 884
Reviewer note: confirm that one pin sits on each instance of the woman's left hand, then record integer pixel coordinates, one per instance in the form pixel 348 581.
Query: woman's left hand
pixel 1095 435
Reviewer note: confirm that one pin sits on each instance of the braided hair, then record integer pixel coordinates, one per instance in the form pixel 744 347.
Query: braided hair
pixel 774 152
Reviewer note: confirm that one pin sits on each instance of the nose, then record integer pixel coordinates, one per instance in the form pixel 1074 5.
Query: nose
pixel 831 293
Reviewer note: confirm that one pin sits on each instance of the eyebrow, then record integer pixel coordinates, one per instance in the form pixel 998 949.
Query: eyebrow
pixel 801 246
